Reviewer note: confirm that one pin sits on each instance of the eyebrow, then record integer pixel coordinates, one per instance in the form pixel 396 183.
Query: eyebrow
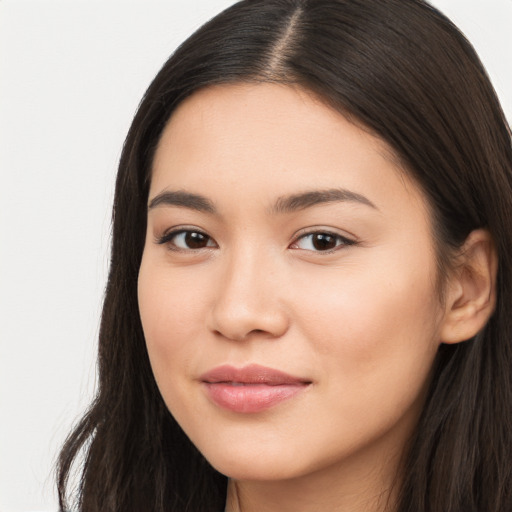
pixel 303 200
pixel 284 204
pixel 183 199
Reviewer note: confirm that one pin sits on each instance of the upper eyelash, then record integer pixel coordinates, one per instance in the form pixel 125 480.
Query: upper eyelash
pixel 345 240
pixel 168 235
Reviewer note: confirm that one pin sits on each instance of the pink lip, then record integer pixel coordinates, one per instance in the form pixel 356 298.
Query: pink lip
pixel 251 389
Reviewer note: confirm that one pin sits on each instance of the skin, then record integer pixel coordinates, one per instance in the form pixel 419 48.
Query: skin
pixel 361 323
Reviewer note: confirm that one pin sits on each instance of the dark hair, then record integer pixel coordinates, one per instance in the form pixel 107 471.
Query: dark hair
pixel 405 72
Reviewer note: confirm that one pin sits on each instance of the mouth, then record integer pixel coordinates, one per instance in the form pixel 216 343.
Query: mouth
pixel 250 389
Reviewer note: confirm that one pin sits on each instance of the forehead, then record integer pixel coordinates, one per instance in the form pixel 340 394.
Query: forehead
pixel 280 115
pixel 270 139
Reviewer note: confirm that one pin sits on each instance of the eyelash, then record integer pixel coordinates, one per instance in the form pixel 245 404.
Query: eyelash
pixel 167 238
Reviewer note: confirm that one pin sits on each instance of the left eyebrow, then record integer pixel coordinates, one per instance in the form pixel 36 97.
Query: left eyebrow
pixel 303 200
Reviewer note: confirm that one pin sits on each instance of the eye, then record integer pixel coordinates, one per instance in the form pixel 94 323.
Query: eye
pixel 321 241
pixel 186 240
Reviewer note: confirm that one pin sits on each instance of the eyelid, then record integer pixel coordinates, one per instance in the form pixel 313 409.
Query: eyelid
pixel 166 237
pixel 303 233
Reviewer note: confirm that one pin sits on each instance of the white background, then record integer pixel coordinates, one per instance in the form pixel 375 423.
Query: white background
pixel 71 76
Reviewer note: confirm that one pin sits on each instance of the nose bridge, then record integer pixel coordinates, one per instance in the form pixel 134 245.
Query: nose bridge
pixel 248 298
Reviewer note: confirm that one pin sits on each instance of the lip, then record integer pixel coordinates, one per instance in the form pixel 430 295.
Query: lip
pixel 250 389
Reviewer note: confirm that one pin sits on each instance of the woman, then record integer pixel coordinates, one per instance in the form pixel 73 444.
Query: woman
pixel 308 305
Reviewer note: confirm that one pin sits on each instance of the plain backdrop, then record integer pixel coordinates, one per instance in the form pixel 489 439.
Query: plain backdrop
pixel 71 76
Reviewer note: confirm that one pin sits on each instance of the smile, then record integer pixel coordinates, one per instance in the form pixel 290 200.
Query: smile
pixel 250 389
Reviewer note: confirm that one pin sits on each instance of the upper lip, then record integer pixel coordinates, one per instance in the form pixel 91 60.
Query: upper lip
pixel 251 374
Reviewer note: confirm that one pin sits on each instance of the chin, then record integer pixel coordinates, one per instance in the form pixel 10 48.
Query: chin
pixel 254 470
pixel 240 462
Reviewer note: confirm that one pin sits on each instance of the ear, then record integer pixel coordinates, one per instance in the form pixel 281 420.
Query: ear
pixel 471 289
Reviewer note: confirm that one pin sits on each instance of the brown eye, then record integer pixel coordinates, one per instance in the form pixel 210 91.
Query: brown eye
pixel 195 240
pixel 321 242
pixel 187 240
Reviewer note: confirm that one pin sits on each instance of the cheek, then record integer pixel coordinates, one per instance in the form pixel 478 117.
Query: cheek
pixel 377 332
pixel 170 309
pixel 375 341
pixel 387 291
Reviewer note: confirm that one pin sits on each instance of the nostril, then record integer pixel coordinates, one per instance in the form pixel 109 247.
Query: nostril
pixel 245 336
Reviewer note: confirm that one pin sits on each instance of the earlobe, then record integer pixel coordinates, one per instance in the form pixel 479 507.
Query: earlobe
pixel 471 291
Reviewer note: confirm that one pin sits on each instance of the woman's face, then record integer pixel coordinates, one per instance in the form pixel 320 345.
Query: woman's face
pixel 287 289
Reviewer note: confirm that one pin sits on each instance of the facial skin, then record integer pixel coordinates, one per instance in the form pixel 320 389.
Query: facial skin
pixel 361 323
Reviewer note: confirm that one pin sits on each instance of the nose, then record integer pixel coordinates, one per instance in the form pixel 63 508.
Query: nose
pixel 249 299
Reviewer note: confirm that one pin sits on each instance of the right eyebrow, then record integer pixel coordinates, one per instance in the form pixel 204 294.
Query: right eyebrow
pixel 183 199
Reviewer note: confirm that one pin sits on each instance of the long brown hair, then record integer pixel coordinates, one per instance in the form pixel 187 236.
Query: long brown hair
pixel 404 71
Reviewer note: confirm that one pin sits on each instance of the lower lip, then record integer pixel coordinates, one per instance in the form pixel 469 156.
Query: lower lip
pixel 251 398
